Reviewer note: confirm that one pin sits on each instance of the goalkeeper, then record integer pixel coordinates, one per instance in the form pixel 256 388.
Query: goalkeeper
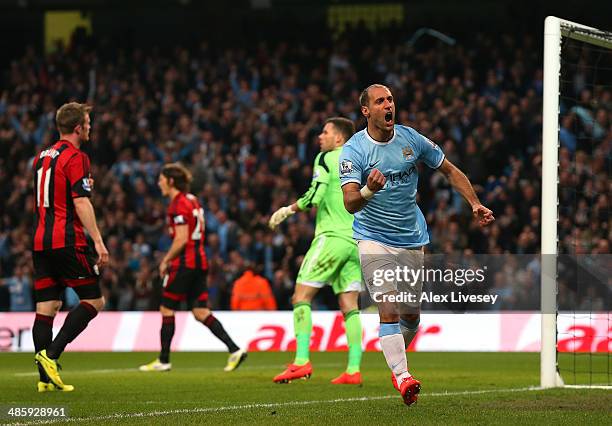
pixel 333 257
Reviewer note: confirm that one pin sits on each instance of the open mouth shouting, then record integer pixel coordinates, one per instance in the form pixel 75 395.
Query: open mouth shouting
pixel 389 117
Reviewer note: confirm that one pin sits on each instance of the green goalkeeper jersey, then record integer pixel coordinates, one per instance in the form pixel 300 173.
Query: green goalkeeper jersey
pixel 326 194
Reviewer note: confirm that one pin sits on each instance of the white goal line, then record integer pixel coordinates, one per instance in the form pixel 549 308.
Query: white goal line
pixel 605 387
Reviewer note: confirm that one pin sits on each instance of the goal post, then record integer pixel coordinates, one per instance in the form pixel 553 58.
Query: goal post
pixel 554 30
pixel 550 141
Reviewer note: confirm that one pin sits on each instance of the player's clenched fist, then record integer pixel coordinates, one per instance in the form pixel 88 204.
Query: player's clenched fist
pixel 279 216
pixel 483 215
pixel 376 182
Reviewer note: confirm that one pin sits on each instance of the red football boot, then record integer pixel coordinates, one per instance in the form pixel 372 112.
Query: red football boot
pixel 394 381
pixel 410 388
pixel 294 372
pixel 348 379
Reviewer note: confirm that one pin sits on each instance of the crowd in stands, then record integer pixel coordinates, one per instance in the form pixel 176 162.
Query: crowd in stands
pixel 246 120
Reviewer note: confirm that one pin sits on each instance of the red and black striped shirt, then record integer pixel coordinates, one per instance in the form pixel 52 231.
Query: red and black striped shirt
pixel 184 209
pixel 61 173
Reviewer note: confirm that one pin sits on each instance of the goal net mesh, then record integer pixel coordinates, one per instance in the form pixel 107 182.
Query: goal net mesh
pixel 584 268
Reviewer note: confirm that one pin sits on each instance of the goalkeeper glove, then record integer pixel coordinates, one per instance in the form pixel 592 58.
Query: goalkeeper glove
pixel 279 216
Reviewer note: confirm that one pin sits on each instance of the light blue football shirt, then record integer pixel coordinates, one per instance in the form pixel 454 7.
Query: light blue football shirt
pixel 392 217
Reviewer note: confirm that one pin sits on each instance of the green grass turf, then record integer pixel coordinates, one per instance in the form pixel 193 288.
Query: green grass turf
pixel 585 368
pixel 109 389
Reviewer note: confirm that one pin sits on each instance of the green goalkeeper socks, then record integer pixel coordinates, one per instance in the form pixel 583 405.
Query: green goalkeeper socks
pixel 352 323
pixel 302 324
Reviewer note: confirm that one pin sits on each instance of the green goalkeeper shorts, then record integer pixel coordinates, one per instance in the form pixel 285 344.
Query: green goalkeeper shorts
pixel 331 261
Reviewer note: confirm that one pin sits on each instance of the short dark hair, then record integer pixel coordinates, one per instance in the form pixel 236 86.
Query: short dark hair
pixel 345 126
pixel 70 115
pixel 181 177
pixel 364 97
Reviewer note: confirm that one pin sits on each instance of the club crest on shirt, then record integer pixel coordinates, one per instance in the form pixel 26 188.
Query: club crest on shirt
pixel 407 152
pixel 346 167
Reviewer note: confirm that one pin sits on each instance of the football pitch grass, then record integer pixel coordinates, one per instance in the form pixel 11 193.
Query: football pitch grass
pixel 481 388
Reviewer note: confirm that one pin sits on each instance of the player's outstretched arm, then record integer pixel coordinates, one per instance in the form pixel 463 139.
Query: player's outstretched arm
pixel 355 198
pixel 312 197
pixel 281 214
pixel 462 184
pixel 86 214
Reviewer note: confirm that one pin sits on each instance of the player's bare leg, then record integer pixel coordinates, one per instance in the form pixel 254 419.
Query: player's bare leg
pixel 393 347
pixel 349 306
pixel 237 355
pixel 302 324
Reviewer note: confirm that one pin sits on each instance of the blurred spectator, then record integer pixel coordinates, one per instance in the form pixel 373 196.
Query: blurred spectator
pixel 245 121
pixel 20 289
pixel 252 292
pixel 143 297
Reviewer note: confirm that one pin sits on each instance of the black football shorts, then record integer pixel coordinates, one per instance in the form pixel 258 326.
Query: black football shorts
pixel 185 284
pixel 74 267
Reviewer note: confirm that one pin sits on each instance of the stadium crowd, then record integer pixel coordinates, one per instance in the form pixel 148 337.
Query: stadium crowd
pixel 246 123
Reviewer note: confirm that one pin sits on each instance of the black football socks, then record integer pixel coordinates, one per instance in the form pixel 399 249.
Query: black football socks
pixel 217 329
pixel 75 323
pixel 42 335
pixel 166 333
